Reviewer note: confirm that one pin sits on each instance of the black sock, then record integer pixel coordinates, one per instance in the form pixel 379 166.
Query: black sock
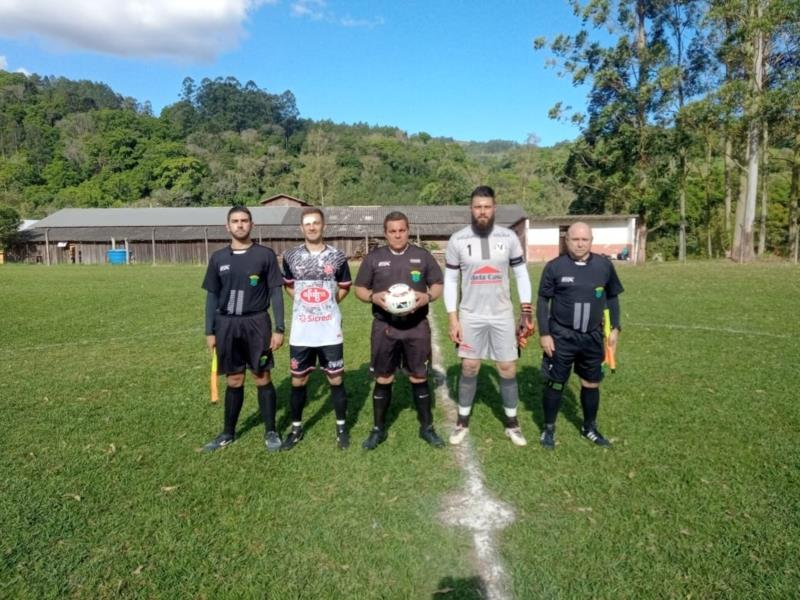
pixel 268 404
pixel 297 403
pixel 512 422
pixel 551 402
pixel 590 402
pixel 463 420
pixel 234 399
pixel 422 400
pixel 381 398
pixel 339 400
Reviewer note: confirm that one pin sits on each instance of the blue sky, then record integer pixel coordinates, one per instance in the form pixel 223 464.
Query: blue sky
pixel 461 69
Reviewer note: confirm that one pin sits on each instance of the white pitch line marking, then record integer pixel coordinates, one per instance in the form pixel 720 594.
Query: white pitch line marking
pixel 473 507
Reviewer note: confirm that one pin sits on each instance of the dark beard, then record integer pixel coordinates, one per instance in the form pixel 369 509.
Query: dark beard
pixel 482 230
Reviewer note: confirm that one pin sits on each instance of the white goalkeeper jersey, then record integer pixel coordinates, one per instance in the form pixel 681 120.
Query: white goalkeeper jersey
pixel 485 265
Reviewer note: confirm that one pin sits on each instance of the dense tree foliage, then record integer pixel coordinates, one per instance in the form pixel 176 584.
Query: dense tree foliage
pixel 79 144
pixel 693 110
pixel 9 224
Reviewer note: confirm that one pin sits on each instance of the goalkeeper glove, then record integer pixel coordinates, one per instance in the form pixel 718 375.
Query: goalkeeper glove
pixel 525 326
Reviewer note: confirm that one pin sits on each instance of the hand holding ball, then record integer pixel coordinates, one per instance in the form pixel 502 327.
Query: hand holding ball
pixel 400 299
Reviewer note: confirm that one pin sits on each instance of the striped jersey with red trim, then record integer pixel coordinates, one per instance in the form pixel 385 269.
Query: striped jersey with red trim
pixel 316 278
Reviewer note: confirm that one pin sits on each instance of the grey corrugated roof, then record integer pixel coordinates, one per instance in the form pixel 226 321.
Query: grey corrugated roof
pixel 507 214
pixel 343 221
pixel 156 217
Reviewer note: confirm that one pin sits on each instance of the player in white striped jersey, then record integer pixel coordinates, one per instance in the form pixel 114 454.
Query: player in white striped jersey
pixel 482 325
pixel 317 277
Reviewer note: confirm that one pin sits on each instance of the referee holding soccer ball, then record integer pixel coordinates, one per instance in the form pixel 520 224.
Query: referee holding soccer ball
pixel 401 337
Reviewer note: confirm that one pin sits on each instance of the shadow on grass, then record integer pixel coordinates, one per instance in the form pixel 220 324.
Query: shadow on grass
pixel 531 386
pixel 358 384
pixel 530 382
pixel 460 588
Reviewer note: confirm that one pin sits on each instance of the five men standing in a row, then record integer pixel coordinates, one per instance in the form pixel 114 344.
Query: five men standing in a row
pixel 243 280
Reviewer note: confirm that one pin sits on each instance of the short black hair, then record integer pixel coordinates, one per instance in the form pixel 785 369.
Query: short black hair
pixel 311 210
pixel 241 209
pixel 482 191
pixel 395 215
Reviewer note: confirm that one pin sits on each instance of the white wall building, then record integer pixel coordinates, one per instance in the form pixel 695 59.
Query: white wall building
pixel 614 235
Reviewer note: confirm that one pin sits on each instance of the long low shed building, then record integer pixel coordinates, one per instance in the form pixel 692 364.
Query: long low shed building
pixel 190 235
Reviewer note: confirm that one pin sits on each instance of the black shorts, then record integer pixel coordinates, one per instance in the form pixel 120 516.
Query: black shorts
pixel 407 349
pixel 242 342
pixel 584 350
pixel 304 359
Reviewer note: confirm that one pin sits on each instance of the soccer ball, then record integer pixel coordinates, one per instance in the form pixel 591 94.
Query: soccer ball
pixel 400 299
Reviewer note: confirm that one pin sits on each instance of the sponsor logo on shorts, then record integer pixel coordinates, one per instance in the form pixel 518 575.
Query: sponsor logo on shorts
pixel 385 263
pixel 253 280
pixel 335 364
pixel 315 295
pixel 416 276
pixel 566 279
pixel 294 364
pixel 263 360
pixel 223 268
pixel 486 275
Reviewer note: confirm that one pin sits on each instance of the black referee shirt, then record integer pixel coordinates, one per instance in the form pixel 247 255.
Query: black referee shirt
pixel 415 267
pixel 578 290
pixel 242 280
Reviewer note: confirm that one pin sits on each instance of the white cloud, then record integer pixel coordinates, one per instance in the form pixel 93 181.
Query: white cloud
pixel 3 63
pixel 24 71
pixel 370 23
pixel 317 10
pixel 313 9
pixel 182 29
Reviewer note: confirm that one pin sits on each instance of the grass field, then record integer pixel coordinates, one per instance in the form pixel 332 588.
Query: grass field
pixel 104 396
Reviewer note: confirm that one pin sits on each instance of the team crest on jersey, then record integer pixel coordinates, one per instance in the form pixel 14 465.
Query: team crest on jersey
pixel 223 268
pixel 254 280
pixel 598 292
pixel 416 276
pixel 328 269
pixel 315 295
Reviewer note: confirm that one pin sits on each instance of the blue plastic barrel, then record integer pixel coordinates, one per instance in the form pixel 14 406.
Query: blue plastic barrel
pixel 117 257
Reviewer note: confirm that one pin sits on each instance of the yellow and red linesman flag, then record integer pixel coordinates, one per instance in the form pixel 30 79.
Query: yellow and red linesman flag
pixel 214 389
pixel 610 358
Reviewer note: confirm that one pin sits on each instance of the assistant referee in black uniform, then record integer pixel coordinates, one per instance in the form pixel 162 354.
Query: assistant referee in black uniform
pixel 574 290
pixel 243 280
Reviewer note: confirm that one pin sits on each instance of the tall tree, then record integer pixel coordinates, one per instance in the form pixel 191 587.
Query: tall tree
pixel 618 163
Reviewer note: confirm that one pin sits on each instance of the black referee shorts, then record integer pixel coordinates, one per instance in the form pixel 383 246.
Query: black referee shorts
pixel 407 349
pixel 243 342
pixel 583 350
